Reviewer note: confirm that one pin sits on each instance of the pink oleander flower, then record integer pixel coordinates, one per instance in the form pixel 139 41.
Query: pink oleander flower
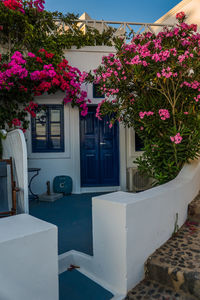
pixel 176 139
pixel 98 113
pixel 193 27
pixel 145 113
pixel 197 98
pixel 83 76
pixel 180 15
pixel 164 114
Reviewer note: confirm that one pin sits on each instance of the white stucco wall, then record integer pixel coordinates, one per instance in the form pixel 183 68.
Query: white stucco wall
pixel 128 228
pixel 68 163
pixel 191 9
pixel 28 259
pixel 15 146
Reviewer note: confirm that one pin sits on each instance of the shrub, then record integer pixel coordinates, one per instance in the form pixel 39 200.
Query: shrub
pixel 153 85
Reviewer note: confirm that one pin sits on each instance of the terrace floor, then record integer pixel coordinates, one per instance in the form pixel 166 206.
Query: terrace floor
pixel 73 217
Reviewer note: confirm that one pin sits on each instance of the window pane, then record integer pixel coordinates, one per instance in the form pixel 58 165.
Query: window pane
pixel 41 117
pixel 55 142
pixel 55 115
pixel 48 129
pixel 41 142
pixel 55 129
pixel 138 143
pixel 40 129
pixel 97 92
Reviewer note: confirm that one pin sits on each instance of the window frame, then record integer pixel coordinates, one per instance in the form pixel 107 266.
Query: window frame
pixel 48 134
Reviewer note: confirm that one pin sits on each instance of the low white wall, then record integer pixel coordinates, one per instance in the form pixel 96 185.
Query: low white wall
pixel 128 228
pixel 15 146
pixel 28 259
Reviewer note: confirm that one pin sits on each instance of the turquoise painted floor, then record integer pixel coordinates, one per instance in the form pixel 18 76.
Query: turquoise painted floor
pixel 73 216
pixel 75 286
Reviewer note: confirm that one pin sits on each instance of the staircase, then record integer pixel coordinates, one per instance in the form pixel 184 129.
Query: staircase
pixel 173 271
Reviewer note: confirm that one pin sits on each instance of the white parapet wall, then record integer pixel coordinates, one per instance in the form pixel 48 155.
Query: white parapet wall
pixel 15 146
pixel 128 228
pixel 28 259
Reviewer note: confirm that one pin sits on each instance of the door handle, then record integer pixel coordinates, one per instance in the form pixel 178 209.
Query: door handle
pixel 102 143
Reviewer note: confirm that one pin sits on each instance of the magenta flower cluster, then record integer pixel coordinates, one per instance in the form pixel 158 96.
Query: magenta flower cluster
pixel 15 68
pixel 142 114
pixel 164 114
pixel 167 73
pixel 16 78
pixel 176 139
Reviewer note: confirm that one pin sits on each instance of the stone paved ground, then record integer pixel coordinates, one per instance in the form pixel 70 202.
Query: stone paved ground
pixel 147 290
pixel 173 271
pixel 177 262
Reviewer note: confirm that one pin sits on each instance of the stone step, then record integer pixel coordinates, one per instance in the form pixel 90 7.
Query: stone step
pixel 177 263
pixel 194 209
pixel 147 290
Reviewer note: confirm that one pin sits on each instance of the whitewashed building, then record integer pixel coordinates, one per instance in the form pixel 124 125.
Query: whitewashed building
pixel 190 7
pixel 107 152
pixel 98 159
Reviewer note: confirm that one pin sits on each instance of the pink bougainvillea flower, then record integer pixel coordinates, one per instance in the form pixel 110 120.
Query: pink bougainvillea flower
pixel 39 4
pixel 14 5
pixel 30 54
pixel 16 122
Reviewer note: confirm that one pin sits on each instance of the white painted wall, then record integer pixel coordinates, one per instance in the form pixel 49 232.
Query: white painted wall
pixel 68 163
pixel 128 228
pixel 191 9
pixel 15 146
pixel 28 259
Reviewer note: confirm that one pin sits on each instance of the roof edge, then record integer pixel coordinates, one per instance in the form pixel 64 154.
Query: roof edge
pixel 172 11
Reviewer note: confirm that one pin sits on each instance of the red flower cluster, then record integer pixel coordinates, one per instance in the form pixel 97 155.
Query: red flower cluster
pixel 31 109
pixel 19 5
pixel 14 5
pixel 180 16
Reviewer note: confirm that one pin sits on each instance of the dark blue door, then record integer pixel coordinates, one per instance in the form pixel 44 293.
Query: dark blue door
pixel 99 151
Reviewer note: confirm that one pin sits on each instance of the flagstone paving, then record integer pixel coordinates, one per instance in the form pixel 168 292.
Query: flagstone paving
pixel 173 271
pixel 147 290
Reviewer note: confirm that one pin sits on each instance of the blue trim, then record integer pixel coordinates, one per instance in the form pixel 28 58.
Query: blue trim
pixel 48 146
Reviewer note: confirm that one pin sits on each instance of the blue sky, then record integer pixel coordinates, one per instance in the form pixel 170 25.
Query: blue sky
pixel 115 10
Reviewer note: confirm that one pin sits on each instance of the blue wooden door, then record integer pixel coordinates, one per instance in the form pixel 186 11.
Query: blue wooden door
pixel 99 151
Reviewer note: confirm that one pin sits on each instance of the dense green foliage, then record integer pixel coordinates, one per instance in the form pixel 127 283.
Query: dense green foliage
pixel 153 85
pixel 35 29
